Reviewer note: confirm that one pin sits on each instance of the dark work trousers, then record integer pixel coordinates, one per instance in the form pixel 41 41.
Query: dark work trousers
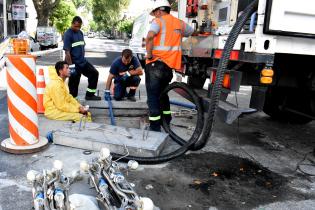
pixel 157 77
pixel 90 72
pixel 121 85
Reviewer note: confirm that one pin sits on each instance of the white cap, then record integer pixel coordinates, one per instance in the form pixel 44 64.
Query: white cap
pixel 132 164
pixel 84 166
pixel 159 3
pixel 146 203
pixel 31 175
pixel 104 153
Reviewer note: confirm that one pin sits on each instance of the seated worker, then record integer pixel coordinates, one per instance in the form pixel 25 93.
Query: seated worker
pixel 58 103
pixel 126 71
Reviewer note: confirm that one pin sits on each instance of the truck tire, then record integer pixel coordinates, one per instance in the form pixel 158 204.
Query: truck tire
pixel 277 98
pixel 196 82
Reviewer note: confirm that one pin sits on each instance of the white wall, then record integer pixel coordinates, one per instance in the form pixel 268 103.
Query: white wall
pixel 31 21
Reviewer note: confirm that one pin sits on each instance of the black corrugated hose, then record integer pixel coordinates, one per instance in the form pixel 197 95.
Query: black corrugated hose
pixel 184 148
pixel 216 91
pixel 202 133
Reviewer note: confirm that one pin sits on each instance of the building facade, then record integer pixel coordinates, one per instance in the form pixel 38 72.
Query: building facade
pixel 21 16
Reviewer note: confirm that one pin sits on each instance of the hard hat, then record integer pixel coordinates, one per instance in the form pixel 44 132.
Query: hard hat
pixel 159 3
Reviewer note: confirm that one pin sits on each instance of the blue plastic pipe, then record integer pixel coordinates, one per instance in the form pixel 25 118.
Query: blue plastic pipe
pixel 111 113
pixel 186 105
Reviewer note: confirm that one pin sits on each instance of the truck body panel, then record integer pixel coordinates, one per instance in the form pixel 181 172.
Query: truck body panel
pixel 282 11
pixel 139 32
pixel 277 38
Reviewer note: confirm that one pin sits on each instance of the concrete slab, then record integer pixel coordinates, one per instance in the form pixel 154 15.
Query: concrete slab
pixel 45 125
pixel 121 108
pixel 128 122
pixel 95 136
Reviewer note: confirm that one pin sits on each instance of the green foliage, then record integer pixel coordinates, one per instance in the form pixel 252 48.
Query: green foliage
pixel 107 13
pixel 93 26
pixel 62 15
pixel 87 4
pixel 78 3
pixel 174 5
pixel 125 26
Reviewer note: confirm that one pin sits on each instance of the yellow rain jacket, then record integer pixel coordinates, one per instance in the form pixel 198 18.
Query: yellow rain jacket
pixel 58 102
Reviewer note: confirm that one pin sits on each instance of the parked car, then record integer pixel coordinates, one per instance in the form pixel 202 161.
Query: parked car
pixel 91 35
pixel 110 36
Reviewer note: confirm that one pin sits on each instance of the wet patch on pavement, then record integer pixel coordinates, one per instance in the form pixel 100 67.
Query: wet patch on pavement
pixel 198 181
pixel 260 139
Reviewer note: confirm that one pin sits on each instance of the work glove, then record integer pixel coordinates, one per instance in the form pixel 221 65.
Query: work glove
pixel 107 96
pixel 72 70
pixel 125 76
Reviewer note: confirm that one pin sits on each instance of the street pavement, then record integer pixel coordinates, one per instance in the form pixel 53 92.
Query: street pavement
pixel 250 164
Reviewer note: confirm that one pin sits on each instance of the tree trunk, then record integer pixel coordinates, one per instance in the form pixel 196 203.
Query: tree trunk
pixel 43 18
pixel 44 9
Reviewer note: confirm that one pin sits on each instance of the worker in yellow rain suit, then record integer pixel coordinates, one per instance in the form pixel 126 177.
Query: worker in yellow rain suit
pixel 58 103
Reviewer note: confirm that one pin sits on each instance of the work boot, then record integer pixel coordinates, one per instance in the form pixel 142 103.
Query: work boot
pixel 119 98
pixel 155 126
pixel 167 118
pixel 93 98
pixel 132 98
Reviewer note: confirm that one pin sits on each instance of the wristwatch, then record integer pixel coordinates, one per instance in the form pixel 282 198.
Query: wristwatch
pixel 150 58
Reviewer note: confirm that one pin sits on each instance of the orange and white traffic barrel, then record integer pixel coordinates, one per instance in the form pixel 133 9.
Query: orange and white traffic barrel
pixel 22 106
pixel 40 88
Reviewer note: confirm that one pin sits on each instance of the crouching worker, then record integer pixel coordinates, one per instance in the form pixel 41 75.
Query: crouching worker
pixel 126 71
pixel 58 103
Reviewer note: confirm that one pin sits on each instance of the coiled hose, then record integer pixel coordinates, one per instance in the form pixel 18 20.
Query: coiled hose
pixel 198 107
pixel 184 148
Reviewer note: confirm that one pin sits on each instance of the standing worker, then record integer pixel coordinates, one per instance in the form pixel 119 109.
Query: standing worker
pixel 75 57
pixel 126 71
pixel 163 46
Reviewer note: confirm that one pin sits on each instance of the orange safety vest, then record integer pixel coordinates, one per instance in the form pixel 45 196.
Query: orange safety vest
pixel 167 43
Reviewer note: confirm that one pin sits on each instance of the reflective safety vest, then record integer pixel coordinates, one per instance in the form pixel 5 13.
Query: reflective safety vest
pixel 167 43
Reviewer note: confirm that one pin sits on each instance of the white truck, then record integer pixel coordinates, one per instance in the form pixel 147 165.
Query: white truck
pixel 47 37
pixel 274 54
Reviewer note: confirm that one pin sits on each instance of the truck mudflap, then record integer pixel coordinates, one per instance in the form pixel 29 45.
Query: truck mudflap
pixel 227 112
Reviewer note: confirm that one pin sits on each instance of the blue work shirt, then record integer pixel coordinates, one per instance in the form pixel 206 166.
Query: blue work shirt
pixel 118 66
pixel 74 43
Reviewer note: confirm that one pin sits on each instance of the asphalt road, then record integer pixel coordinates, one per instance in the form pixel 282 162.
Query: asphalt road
pixel 250 164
